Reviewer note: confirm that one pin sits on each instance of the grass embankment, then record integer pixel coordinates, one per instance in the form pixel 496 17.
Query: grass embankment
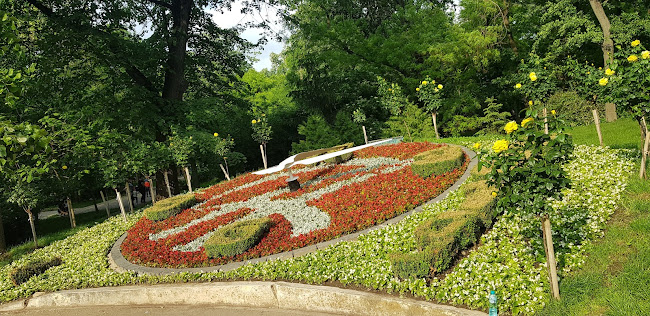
pixel 56 228
pixel 615 279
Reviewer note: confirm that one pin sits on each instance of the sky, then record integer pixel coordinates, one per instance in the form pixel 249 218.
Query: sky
pixel 234 17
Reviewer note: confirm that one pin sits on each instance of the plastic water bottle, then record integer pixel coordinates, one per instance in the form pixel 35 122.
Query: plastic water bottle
pixel 493 303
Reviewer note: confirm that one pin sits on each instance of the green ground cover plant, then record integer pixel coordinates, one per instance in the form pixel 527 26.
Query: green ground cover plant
pixel 169 207
pixel 235 238
pixel 504 260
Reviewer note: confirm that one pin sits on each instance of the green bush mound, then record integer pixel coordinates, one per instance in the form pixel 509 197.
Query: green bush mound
pixel 437 161
pixel 441 238
pixel 21 274
pixel 235 238
pixel 169 207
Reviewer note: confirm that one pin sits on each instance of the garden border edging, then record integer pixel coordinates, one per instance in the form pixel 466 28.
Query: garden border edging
pixel 118 263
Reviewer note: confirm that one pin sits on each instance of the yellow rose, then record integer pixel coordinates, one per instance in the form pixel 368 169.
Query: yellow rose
pixel 433 82
pixel 526 121
pixel 424 83
pixel 494 194
pixel 609 72
pixel 603 81
pixel 645 54
pixel 215 134
pixel 532 76
pixel 254 121
pixel 635 43
pixel 600 68
pixel 511 127
pixel 500 145
pixel 417 89
pixel 518 86
pixel 553 112
pixel 477 146
pixel 435 90
pixel 632 58
pixel 439 86
pixel 530 103
pixel 64 167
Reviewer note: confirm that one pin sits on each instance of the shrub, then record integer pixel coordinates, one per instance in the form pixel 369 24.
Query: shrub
pixel 169 207
pixel 235 238
pixel 437 161
pixel 410 265
pixel 21 274
pixel 575 109
pixel 441 238
pixel 461 125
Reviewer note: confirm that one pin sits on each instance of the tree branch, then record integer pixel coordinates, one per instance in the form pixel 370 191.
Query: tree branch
pixel 161 3
pixel 41 7
pixel 136 75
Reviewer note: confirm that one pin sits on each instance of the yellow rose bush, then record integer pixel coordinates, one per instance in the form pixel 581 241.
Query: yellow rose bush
pixel 526 165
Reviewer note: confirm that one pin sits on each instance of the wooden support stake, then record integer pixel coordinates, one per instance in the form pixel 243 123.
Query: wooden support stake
pixel 73 220
pixel 434 115
pixel 263 156
pixel 169 189
pixel 597 121
pixel 108 212
pixel 119 201
pixel 188 179
pixel 365 136
pixel 550 257
pixel 128 195
pixel 644 156
pixel 545 122
pixel 224 172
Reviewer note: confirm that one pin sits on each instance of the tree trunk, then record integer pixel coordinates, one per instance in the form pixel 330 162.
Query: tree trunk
pixel 173 181
pixel 188 179
pixel 128 195
pixel 3 242
pixel 365 135
pixel 506 25
pixel 108 212
pixel 608 44
pixel 225 173
pixel 263 156
pixel 32 225
pixel 169 189
pixel 152 192
pixel 119 201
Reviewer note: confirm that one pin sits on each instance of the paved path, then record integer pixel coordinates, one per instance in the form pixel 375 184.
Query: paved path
pixel 112 204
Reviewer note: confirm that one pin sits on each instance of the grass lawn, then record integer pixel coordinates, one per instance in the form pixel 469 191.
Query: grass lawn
pixel 615 280
pixel 56 228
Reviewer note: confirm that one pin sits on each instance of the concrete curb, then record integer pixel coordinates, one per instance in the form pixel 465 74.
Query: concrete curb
pixel 271 295
pixel 120 264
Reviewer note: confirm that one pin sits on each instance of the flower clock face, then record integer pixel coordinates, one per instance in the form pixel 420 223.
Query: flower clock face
pixel 333 200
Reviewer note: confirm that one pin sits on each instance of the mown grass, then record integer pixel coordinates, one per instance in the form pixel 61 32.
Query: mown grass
pixel 623 133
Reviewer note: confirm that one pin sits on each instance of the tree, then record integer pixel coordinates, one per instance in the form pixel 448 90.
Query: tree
pixel 180 40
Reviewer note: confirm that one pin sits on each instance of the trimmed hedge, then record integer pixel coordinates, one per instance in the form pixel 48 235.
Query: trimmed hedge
pixel 169 207
pixel 235 238
pixel 440 239
pixel 437 161
pixel 20 275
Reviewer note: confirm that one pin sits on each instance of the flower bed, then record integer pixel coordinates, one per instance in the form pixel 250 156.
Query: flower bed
pixel 333 201
pixel 506 260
